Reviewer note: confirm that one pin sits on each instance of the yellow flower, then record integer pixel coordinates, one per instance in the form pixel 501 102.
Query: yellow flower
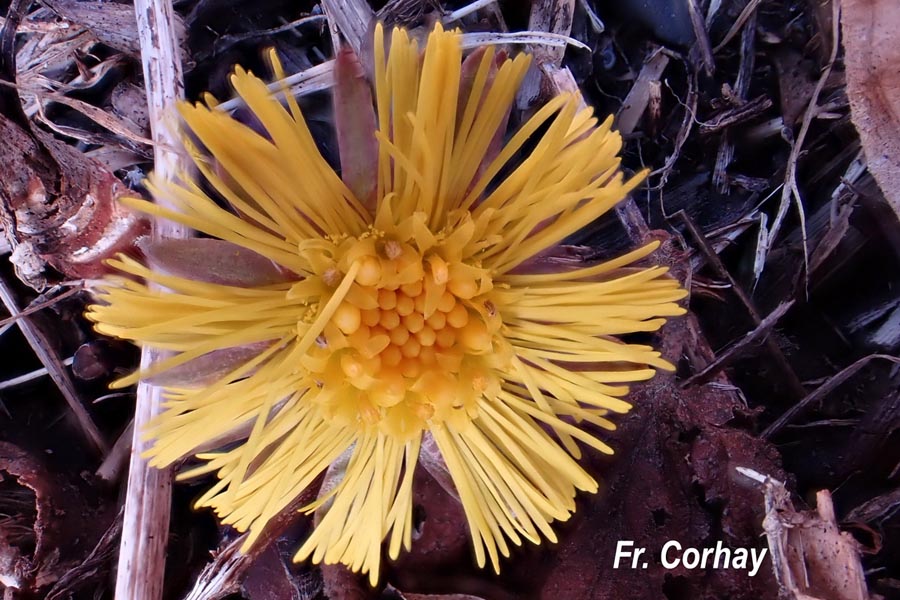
pixel 322 323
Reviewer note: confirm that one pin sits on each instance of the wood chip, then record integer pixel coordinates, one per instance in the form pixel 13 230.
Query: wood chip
pixel 812 558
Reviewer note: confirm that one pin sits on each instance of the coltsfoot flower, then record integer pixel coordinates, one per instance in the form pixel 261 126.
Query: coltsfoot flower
pixel 359 313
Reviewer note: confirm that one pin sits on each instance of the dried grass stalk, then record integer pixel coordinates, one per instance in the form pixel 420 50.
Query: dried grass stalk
pixel 147 506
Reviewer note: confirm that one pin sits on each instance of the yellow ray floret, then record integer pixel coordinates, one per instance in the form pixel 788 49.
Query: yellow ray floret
pixel 423 314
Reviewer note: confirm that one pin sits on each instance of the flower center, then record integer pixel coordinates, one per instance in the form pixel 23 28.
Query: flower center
pixel 412 341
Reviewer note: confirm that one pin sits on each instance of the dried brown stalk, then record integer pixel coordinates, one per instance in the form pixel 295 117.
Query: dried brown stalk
pixel 751 339
pixel 553 16
pixel 822 391
pixel 147 506
pixel 790 193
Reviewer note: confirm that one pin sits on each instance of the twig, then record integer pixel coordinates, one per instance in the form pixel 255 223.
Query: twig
pixel 555 17
pixel 314 79
pixel 321 76
pixel 596 24
pixel 57 371
pixel 718 266
pixel 725 358
pixel 234 38
pixel 790 190
pixel 822 391
pixel 636 101
pixel 142 555
pixel 38 306
pixel 351 18
pixel 703 46
pixel 113 466
pixel 876 509
pixel 535 38
pixel 738 24
pixel 552 16
pixel 684 132
pixel 30 376
pixel 736 115
pixel 725 152
pixel 466 10
pixel 223 575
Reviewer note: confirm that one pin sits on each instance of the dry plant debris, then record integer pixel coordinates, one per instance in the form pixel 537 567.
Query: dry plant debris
pixel 873 86
pixel 813 559
pixel 48 525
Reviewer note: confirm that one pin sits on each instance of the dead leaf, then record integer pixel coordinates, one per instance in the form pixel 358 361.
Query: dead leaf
pixel 208 368
pixel 871 36
pixel 48 526
pixel 668 481
pixel 272 576
pixel 113 24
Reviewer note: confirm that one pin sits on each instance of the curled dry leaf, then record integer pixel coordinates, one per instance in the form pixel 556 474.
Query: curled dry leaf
pixel 871 36
pixel 59 207
pixel 113 24
pixel 274 575
pixel 47 527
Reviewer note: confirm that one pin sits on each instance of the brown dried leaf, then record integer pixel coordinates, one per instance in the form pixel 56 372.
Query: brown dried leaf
pixel 128 103
pixel 269 577
pixel 871 36
pixel 91 361
pixel 113 24
pixel 674 444
pixel 340 583
pixel 55 527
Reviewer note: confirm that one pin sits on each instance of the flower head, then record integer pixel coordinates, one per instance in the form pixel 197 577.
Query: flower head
pixel 354 316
